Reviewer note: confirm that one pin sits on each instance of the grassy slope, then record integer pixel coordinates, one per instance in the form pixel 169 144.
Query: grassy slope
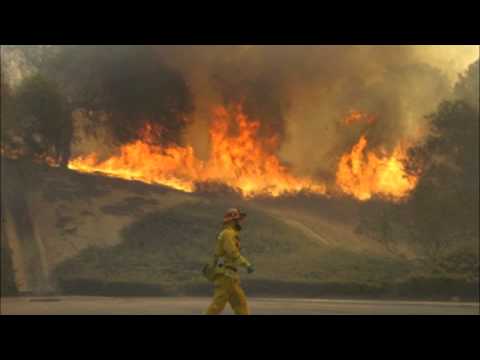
pixel 114 237
pixel 163 252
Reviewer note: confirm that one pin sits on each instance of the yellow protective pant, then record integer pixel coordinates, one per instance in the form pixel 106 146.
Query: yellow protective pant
pixel 228 290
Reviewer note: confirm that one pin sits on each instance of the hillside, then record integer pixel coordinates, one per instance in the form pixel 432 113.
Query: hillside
pixel 89 234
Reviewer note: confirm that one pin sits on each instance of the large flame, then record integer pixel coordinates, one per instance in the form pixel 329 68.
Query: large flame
pixel 364 175
pixel 239 158
pixel 245 161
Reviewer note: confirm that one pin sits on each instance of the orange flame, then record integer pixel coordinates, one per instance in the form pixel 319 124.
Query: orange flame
pixel 243 161
pixel 382 175
pixel 141 161
pixel 358 117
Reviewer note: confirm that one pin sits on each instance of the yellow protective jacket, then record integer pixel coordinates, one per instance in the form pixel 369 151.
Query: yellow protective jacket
pixel 227 253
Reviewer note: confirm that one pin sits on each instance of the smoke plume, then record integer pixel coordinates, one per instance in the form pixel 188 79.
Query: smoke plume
pixel 303 93
pixel 300 93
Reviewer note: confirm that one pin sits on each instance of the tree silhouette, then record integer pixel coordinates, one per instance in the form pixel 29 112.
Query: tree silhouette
pixel 37 114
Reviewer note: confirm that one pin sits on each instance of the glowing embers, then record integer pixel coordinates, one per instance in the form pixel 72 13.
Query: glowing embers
pixel 355 117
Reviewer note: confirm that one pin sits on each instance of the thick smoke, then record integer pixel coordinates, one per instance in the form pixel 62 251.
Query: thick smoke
pixel 302 93
pixel 305 92
pixel 121 87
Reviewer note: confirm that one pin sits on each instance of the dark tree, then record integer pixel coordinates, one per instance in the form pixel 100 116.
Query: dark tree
pixel 444 207
pixel 41 118
pixel 467 87
pixel 129 83
pixel 441 215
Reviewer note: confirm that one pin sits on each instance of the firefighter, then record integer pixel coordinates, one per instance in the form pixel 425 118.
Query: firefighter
pixel 227 260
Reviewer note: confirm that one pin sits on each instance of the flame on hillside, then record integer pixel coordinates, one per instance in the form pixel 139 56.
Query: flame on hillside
pixel 239 158
pixel 363 173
